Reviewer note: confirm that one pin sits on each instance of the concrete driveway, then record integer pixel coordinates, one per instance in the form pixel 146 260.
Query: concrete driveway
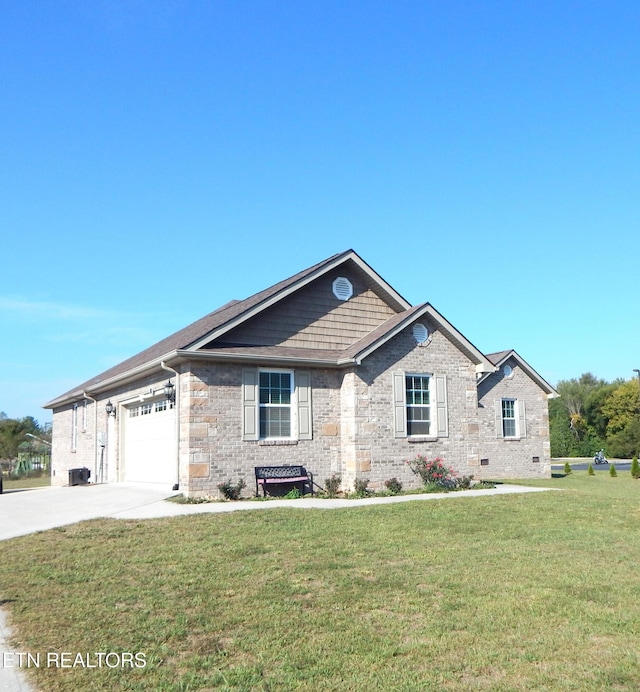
pixel 38 509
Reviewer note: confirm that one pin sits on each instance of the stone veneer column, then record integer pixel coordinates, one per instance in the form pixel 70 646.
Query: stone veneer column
pixel 348 429
pixel 473 423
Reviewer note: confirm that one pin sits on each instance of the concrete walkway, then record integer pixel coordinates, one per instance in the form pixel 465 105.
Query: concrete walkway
pixel 29 511
pixel 174 509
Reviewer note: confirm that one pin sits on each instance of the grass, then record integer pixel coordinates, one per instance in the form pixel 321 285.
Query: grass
pixel 519 592
pixel 29 482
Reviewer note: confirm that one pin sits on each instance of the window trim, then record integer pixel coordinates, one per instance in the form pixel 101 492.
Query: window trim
pixel 439 402
pixel 519 417
pixel 292 406
pixel 429 406
pixel 74 428
pixel 508 419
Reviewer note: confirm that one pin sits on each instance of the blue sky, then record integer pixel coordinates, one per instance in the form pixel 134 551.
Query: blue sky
pixel 159 158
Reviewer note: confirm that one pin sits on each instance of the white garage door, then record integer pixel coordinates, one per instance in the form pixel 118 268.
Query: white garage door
pixel 150 442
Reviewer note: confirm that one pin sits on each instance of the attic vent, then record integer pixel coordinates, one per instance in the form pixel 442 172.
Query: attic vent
pixel 420 333
pixel 342 288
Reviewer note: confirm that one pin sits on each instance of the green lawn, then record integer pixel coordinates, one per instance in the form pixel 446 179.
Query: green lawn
pixel 31 482
pixel 534 591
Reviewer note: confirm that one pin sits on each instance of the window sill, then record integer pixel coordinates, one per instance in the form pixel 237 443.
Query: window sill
pixel 277 443
pixel 422 438
pixel 512 439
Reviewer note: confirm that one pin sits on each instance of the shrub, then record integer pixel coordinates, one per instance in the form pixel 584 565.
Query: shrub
pixel 635 468
pixel 567 468
pixel 361 487
pixel 590 470
pixel 612 471
pixel 332 485
pixel 484 485
pixel 231 491
pixel 464 482
pixel 293 494
pixel 433 471
pixel 393 485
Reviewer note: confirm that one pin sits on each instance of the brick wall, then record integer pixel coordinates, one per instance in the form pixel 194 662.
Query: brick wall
pixel 381 456
pixel 213 450
pixel 514 458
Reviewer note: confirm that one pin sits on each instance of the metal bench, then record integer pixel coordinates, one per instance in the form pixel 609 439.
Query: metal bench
pixel 275 475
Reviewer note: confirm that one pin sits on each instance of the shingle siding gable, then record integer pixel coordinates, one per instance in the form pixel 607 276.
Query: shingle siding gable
pixel 314 318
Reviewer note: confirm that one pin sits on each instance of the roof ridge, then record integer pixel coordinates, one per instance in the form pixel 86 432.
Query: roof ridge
pixel 196 330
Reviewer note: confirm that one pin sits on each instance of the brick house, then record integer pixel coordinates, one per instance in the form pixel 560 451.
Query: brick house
pixel 332 369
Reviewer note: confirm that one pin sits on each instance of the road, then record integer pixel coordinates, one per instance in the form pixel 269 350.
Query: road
pixel 582 464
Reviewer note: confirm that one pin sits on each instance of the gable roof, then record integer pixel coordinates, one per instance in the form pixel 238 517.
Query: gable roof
pixel 188 340
pixel 188 343
pixel 501 357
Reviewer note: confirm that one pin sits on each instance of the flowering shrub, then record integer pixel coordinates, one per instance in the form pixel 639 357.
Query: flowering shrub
pixel 433 472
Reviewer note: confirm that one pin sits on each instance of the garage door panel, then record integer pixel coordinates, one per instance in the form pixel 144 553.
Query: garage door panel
pixel 149 443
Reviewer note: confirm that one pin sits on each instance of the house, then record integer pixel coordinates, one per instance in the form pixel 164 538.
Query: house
pixel 332 369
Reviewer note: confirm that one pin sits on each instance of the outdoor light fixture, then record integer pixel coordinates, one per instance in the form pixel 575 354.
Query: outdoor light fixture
pixel 110 408
pixel 170 391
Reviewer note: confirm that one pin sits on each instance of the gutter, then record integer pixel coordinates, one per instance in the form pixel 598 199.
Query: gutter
pixel 104 385
pixel 95 435
pixel 176 405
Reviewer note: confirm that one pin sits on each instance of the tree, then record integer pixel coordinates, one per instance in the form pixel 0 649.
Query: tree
pixel 622 407
pixel 592 414
pixel 13 433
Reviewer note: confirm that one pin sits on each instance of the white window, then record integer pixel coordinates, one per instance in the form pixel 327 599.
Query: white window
pixel 145 409
pixel 161 405
pixel 418 404
pixel 509 420
pixel 275 412
pixel 74 428
pixel 276 406
pixel 134 412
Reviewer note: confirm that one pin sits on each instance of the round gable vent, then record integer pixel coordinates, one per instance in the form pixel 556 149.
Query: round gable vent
pixel 342 288
pixel 420 333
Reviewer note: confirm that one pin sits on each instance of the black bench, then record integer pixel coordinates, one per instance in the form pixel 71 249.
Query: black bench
pixel 269 475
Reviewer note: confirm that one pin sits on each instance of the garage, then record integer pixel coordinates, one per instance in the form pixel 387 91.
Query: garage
pixel 149 442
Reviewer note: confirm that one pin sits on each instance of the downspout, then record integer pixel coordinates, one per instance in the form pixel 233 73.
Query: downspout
pixel 176 484
pixel 95 436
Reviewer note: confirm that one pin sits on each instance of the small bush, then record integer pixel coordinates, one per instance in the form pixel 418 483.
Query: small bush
pixel 590 470
pixel 293 494
pixel 484 485
pixel 231 491
pixel 635 468
pixel 464 482
pixel 612 471
pixel 393 485
pixel 183 500
pixel 361 488
pixel 332 485
pixel 567 468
